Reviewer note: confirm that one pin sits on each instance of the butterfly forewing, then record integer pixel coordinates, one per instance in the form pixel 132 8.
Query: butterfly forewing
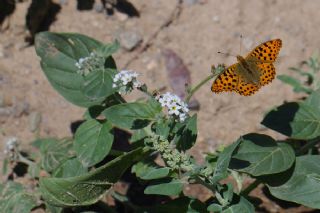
pixel 266 52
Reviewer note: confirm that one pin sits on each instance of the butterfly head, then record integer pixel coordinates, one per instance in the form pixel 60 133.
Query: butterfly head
pixel 240 59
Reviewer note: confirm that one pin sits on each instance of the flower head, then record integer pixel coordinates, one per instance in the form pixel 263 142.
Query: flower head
pixel 126 81
pixel 90 63
pixel 176 107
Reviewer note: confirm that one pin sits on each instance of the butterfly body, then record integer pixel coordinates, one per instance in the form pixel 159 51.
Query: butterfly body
pixel 246 69
pixel 250 73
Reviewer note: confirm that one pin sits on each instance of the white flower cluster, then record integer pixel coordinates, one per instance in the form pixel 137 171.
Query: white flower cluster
pixel 125 81
pixel 176 107
pixel 11 147
pixel 82 61
pixel 87 64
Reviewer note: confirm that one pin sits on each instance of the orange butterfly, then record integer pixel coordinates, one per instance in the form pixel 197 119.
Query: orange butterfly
pixel 250 73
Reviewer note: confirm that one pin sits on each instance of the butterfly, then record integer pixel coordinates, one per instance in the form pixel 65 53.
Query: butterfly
pixel 250 73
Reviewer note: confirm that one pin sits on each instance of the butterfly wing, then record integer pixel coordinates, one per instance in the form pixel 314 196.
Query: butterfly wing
pixel 226 81
pixel 266 52
pixel 246 89
pixel 262 57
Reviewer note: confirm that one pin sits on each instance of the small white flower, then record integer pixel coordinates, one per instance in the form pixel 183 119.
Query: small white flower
pixel 176 107
pixel 126 80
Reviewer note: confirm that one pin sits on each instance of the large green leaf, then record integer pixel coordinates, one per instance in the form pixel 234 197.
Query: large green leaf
pixel 173 187
pixel 54 152
pixel 59 53
pixel 259 154
pixel 297 120
pixel 70 168
pixel 93 141
pixel 98 84
pixel 134 115
pixel 87 189
pixel 303 186
pixel 15 199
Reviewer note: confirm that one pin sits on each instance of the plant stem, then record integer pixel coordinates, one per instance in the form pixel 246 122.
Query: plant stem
pixel 308 145
pixel 251 187
pixel 197 87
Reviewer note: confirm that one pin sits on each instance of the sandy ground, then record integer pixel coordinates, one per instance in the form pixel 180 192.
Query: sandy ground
pixel 196 35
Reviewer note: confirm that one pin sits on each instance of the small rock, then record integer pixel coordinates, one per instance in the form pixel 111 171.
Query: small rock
pixel 216 19
pixel 194 104
pixel 34 121
pixel 5 112
pixel 62 2
pixel 98 7
pixel 121 16
pixel 247 43
pixel 190 2
pixel 129 39
pixel 20 108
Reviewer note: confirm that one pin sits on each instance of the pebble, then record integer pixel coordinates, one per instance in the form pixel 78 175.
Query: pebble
pixel 194 104
pixel 216 19
pixel 98 7
pixel 129 39
pixel 20 109
pixel 34 121
pixel 62 2
pixel 121 16
pixel 247 43
pixel 190 2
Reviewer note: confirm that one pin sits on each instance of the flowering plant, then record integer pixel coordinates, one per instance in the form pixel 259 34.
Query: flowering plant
pixel 79 172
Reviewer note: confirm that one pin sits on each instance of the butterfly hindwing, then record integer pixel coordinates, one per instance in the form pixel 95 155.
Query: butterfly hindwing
pixel 265 52
pixel 268 73
pixel 226 81
pixel 246 89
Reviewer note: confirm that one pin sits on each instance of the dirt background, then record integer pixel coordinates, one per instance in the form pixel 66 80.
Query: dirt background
pixel 201 29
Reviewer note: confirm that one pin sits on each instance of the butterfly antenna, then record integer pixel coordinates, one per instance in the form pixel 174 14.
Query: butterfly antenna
pixel 226 54
pixel 240 42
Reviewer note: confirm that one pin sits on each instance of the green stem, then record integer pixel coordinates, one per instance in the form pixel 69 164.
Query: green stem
pixel 251 187
pixel 309 144
pixel 197 87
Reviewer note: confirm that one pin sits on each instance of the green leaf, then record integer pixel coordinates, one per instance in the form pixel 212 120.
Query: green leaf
pixel 59 53
pixel 221 169
pixel 259 155
pixel 215 208
pixel 98 84
pixel 34 170
pixel 181 204
pixel 87 189
pixel 243 206
pixel 14 198
pixel 162 128
pixel 149 171
pixel 188 136
pixel 108 49
pixel 296 84
pixel 70 168
pixel 93 141
pixel 174 187
pixel 54 152
pixel 138 135
pixel 303 186
pixel 297 120
pixel 130 115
